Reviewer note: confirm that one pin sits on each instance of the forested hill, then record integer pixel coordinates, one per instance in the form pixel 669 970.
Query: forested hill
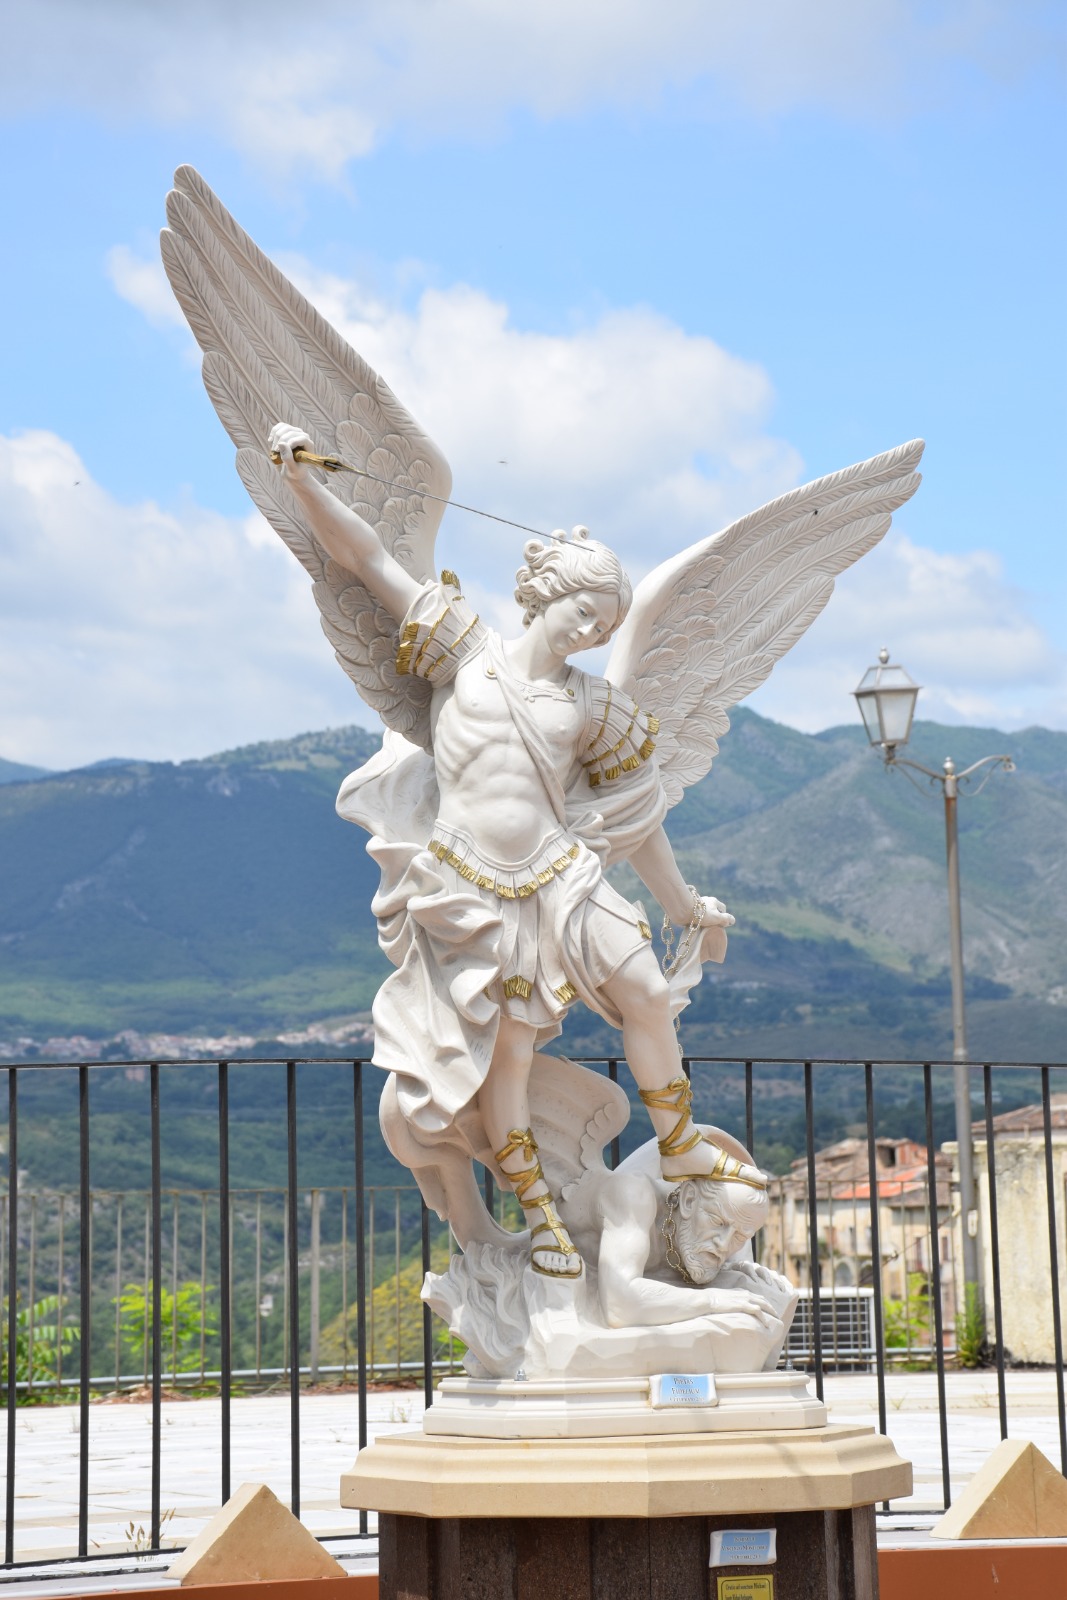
pixel 18 772
pixel 224 896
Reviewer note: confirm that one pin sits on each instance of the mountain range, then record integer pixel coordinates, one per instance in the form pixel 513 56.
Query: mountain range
pixel 223 899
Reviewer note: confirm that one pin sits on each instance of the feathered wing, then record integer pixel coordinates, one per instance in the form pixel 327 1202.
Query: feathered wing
pixel 706 627
pixel 576 1113
pixel 270 357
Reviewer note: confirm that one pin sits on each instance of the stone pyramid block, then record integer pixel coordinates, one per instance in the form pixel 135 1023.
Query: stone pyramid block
pixel 254 1536
pixel 1016 1494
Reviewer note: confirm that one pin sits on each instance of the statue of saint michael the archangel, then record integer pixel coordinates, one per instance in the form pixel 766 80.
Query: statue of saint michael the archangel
pixel 509 779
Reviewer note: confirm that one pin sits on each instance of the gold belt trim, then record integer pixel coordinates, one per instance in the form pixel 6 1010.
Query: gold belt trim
pixel 505 891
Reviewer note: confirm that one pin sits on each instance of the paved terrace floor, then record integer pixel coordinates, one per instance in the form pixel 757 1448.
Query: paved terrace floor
pixel 46 1478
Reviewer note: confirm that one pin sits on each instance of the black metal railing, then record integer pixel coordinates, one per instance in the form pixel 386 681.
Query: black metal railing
pixel 260 1236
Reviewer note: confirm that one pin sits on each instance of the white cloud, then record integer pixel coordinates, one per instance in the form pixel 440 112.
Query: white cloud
pixel 131 630
pixel 952 620
pixel 144 285
pixel 650 436
pixel 313 91
pixel 168 632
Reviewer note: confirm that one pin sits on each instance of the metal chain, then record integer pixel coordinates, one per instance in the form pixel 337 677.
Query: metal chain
pixel 667 1228
pixel 673 959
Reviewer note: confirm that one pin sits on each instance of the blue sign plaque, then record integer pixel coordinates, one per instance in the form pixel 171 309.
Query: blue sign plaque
pixel 742 1547
pixel 682 1389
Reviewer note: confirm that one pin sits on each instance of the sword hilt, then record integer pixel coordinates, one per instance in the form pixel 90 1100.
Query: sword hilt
pixel 330 463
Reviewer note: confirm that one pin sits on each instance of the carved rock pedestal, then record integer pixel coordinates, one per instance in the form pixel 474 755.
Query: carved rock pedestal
pixel 623 1518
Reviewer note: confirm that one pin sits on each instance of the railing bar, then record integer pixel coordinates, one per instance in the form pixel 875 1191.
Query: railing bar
pixel 12 1306
pixel 344 1286
pixel 86 1290
pixel 103 1064
pixel 157 1303
pixel 396 1271
pixel 259 1281
pixel 687 1068
pixel 616 1149
pixel 174 1255
pixel 813 1229
pixel 225 1270
pixel 118 1289
pixel 293 1307
pixel 203 1286
pixel 427 1325
pixel 876 1249
pixel 1053 1253
pixel 60 1297
pixel 750 1121
pixel 994 1246
pixel 31 1295
pixel 361 1269
pixel 370 1270
pixel 935 1258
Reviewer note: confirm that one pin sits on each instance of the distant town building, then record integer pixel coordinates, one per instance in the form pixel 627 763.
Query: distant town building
pixel 1022 1216
pixel 843 1219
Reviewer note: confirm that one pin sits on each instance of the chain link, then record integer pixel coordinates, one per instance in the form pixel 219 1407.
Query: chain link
pixel 667 1228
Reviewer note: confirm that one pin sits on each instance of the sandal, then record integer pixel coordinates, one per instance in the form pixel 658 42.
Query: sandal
pixel 521 1181
pixel 678 1096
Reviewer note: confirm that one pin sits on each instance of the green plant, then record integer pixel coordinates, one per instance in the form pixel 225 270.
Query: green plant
pixel 184 1319
pixel 907 1321
pixel 971 1346
pixel 39 1360
pixel 396 1300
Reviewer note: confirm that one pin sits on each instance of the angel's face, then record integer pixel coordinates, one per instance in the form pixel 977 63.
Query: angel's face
pixel 579 621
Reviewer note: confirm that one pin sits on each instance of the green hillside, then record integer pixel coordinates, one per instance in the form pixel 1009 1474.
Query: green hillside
pixel 224 896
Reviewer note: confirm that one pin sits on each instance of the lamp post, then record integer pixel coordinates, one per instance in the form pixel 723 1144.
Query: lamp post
pixel 886 697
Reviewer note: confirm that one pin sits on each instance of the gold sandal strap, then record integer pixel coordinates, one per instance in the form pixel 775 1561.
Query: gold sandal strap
pixel 551 1225
pixel 518 1139
pixel 521 1181
pixel 677 1095
pixel 668 1147
pixel 729 1177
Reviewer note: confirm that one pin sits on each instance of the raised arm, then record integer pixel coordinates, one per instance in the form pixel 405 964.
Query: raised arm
pixel 343 534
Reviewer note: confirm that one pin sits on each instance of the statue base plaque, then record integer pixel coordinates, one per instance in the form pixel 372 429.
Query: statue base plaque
pixel 626 1517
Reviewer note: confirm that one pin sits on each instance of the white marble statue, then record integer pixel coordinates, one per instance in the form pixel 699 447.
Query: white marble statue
pixel 509 779
pixel 669 1282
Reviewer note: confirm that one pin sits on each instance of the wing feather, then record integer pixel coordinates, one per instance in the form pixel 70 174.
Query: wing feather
pixel 270 356
pixel 707 627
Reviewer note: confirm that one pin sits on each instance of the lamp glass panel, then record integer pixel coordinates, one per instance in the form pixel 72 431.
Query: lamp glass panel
pixel 868 705
pixel 897 706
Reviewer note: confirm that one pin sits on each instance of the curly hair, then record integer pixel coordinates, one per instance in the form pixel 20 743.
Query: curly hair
pixel 566 565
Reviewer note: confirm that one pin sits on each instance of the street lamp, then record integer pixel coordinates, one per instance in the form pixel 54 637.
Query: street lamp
pixel 886 697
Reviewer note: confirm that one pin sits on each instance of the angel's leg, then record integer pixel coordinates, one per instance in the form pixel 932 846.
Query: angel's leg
pixel 639 992
pixel 504 1103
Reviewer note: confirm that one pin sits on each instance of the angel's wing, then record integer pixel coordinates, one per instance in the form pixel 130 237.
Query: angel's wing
pixel 270 357
pixel 576 1113
pixel 706 627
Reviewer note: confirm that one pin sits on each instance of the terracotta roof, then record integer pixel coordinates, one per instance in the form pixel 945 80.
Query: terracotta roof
pixel 1028 1120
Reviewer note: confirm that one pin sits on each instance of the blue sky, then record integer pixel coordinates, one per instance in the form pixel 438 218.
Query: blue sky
pixel 665 261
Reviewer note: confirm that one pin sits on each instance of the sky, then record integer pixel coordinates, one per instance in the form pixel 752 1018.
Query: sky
pixel 639 266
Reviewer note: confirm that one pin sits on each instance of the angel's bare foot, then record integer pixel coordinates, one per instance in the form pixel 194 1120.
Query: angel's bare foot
pixel 684 1151
pixel 559 1259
